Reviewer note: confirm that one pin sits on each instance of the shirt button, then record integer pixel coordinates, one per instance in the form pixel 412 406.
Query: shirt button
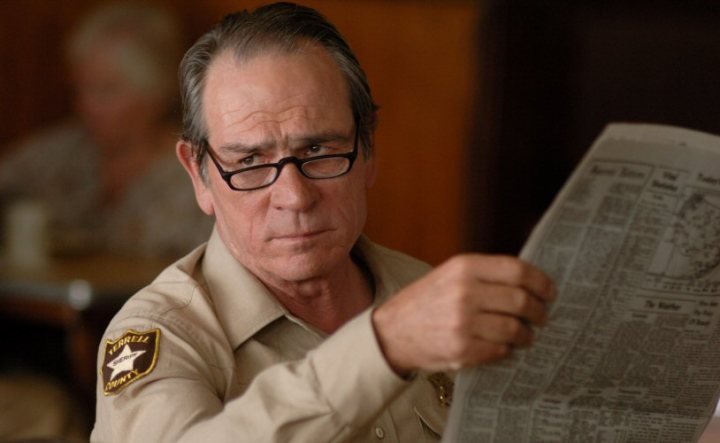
pixel 379 433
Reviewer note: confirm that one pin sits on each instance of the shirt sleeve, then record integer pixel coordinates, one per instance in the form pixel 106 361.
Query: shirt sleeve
pixel 338 388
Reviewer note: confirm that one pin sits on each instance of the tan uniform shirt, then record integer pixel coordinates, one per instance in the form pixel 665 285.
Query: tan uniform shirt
pixel 207 354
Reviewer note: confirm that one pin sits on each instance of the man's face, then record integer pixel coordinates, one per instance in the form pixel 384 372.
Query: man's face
pixel 261 110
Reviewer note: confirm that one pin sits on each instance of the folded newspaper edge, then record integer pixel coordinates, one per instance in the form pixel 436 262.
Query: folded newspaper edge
pixel 632 349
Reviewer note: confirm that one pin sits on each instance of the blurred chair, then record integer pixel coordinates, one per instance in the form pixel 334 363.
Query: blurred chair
pixel 37 407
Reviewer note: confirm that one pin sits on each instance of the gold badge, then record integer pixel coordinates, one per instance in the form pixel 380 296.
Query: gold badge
pixel 443 387
pixel 129 358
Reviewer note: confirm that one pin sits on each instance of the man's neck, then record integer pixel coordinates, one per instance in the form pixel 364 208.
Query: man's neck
pixel 328 303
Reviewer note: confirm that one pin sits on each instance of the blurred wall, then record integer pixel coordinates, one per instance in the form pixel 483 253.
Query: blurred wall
pixel 422 60
pixel 487 105
pixel 555 72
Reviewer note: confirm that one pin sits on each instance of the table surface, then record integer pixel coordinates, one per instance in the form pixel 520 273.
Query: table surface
pixel 81 282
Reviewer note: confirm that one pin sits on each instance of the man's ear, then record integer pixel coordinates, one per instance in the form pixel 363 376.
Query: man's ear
pixel 204 197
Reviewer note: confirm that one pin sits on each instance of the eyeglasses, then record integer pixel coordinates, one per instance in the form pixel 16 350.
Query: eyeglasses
pixel 261 176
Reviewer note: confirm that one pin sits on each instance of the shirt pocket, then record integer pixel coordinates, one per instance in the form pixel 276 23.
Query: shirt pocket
pixel 432 423
pixel 429 411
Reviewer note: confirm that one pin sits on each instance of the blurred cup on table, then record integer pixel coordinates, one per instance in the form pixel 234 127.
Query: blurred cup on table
pixel 26 236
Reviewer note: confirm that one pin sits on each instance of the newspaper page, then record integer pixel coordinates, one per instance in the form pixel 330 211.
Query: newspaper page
pixel 632 349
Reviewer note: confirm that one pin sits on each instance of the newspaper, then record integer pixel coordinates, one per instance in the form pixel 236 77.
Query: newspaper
pixel 632 349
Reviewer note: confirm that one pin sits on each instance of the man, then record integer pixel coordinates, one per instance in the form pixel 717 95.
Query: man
pixel 282 327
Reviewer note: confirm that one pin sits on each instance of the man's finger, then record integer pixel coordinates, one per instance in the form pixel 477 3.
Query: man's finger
pixel 505 269
pixel 501 329
pixel 510 300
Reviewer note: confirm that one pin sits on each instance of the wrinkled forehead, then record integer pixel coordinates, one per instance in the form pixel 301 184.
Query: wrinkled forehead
pixel 274 86
pixel 274 54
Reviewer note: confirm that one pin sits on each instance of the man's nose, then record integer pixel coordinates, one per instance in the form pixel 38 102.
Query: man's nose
pixel 292 190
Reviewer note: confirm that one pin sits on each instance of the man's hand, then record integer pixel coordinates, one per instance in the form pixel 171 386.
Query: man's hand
pixel 470 310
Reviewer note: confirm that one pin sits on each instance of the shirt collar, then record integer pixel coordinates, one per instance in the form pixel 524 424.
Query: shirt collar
pixel 384 280
pixel 244 305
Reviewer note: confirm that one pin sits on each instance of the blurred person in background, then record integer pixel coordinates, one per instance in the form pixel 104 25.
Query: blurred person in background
pixel 107 177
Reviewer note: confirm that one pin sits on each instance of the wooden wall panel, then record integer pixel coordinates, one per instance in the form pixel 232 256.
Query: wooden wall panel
pixel 420 56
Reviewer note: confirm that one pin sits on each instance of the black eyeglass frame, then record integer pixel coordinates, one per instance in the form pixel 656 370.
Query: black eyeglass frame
pixel 280 164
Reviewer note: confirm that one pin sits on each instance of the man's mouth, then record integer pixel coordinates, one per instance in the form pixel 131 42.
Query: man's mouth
pixel 299 236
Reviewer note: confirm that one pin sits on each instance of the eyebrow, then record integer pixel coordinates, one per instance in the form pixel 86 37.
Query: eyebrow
pixel 323 137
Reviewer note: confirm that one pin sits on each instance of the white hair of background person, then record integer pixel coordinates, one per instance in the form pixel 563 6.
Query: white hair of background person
pixel 149 43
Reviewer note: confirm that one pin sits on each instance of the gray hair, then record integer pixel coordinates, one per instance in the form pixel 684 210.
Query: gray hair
pixel 278 26
pixel 149 39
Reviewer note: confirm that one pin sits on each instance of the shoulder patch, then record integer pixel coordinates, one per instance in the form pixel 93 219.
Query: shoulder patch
pixel 129 358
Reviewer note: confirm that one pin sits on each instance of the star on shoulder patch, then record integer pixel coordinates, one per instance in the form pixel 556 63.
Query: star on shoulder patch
pixel 129 358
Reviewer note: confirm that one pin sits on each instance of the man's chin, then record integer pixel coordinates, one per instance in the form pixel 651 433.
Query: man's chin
pixel 303 265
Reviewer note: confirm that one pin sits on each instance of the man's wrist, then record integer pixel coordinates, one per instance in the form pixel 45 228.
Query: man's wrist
pixel 382 328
